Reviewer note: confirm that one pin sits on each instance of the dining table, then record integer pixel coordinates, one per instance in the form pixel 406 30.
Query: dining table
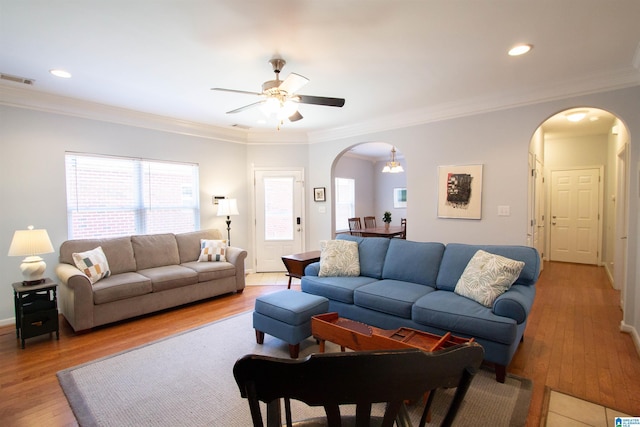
pixel 382 231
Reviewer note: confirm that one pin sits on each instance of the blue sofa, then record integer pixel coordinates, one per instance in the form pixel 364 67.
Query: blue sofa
pixel 404 283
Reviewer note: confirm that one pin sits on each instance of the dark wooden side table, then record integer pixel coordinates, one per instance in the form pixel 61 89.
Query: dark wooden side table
pixel 297 262
pixel 36 309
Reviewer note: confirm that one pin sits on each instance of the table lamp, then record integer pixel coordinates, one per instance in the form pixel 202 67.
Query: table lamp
pixel 31 243
pixel 228 207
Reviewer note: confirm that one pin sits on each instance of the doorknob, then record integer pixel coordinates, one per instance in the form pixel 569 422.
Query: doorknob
pixel 553 223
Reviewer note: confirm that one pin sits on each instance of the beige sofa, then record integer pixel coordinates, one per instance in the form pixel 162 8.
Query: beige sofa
pixel 148 273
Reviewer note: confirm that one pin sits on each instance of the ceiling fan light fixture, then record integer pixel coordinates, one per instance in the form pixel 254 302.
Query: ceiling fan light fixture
pixel 270 107
pixel 287 109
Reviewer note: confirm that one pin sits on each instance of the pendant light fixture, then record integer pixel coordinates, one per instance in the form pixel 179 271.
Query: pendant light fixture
pixel 392 166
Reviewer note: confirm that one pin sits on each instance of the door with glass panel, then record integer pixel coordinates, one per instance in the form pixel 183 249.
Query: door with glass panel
pixel 279 217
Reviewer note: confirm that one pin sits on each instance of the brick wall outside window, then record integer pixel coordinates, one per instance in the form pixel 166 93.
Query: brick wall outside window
pixel 114 196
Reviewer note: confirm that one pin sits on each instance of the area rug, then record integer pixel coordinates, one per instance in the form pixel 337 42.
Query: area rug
pixel 187 380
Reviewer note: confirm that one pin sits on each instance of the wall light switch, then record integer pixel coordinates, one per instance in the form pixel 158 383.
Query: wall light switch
pixel 504 210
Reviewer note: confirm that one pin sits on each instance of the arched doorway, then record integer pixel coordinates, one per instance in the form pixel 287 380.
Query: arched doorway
pixel 359 169
pixel 578 181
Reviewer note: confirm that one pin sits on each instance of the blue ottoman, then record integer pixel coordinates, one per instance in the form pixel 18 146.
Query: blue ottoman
pixel 287 315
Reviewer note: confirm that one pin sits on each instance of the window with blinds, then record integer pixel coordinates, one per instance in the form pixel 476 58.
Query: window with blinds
pixel 345 202
pixel 117 196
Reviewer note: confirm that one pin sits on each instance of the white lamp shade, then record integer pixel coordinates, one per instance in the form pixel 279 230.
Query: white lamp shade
pixel 228 207
pixel 30 242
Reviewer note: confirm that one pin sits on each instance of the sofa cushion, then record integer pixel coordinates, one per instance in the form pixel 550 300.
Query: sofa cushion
pixel 372 252
pixel 93 264
pixel 211 270
pixel 487 276
pixel 189 243
pixel 120 286
pixel 390 296
pixel 416 262
pixel 461 316
pixel 339 258
pixel 456 257
pixel 335 288
pixel 118 251
pixel 155 250
pixel 213 250
pixel 169 277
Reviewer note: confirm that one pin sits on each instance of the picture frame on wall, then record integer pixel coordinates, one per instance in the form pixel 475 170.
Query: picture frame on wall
pixel 460 192
pixel 319 194
pixel 399 198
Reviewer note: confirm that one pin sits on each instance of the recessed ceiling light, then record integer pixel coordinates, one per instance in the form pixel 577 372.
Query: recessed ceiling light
pixel 520 49
pixel 576 116
pixel 60 73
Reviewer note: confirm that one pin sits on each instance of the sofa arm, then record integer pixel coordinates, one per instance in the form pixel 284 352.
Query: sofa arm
pixel 515 303
pixel 312 269
pixel 66 271
pixel 237 256
pixel 75 296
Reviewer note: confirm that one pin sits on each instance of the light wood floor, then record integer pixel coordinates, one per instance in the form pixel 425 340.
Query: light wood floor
pixel 572 344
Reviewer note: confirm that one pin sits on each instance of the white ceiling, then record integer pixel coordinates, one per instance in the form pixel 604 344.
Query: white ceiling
pixel 395 62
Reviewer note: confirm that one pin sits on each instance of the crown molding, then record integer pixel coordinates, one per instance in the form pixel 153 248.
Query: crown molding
pixel 576 87
pixel 270 136
pixel 31 99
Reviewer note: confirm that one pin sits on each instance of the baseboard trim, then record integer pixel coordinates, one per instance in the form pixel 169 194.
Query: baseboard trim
pixel 634 334
pixel 609 274
pixel 7 322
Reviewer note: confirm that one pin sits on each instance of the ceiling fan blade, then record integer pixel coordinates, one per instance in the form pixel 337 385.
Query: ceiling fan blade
pixel 293 83
pixel 321 100
pixel 235 91
pixel 295 117
pixel 246 107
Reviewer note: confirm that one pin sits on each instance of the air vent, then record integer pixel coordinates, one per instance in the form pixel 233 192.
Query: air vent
pixel 17 79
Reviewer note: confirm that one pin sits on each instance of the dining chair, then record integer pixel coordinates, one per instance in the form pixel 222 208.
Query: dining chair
pixel 403 224
pixel 354 226
pixel 331 380
pixel 369 222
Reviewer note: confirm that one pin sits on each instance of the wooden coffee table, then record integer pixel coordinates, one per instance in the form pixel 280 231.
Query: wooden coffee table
pixel 361 337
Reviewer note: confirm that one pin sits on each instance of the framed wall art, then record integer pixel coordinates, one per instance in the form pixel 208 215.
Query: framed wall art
pixel 399 197
pixel 319 195
pixel 460 192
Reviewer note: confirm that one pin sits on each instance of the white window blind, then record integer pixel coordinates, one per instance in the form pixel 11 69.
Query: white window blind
pixel 116 196
pixel 345 202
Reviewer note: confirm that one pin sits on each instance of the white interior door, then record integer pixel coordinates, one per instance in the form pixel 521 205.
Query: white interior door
pixel 279 201
pixel 575 202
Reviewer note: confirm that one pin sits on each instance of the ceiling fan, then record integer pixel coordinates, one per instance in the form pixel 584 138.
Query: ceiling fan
pixel 279 97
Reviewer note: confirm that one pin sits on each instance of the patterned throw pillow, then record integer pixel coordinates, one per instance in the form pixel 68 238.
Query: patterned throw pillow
pixel 93 263
pixel 339 258
pixel 487 276
pixel 212 250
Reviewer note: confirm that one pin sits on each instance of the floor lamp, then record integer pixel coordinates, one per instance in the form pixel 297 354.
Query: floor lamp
pixel 228 207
